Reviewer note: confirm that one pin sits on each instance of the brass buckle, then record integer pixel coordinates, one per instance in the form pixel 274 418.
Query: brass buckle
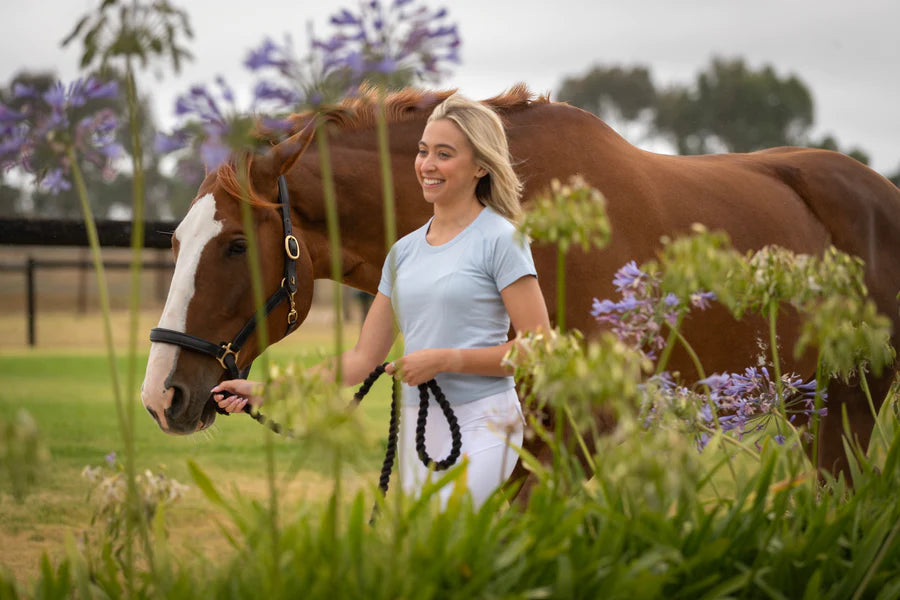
pixel 227 350
pixel 293 252
pixel 293 315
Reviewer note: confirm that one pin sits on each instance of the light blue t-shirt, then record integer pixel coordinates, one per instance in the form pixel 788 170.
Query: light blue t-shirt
pixel 448 296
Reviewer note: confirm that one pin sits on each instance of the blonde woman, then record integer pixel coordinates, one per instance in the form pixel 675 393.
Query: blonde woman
pixel 454 286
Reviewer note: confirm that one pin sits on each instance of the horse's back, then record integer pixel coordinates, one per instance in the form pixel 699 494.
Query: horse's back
pixel 859 208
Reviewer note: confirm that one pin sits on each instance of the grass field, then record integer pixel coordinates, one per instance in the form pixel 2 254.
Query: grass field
pixel 65 386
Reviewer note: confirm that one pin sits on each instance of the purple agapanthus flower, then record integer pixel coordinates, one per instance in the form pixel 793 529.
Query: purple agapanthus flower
pixel 212 118
pixel 378 41
pixel 37 134
pixel 638 318
pixel 745 403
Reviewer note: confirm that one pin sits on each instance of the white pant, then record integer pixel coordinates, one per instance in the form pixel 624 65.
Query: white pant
pixel 488 427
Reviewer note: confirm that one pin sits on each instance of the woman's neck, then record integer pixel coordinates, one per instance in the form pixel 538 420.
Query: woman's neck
pixel 450 220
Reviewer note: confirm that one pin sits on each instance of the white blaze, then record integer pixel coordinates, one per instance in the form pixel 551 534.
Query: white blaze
pixel 195 231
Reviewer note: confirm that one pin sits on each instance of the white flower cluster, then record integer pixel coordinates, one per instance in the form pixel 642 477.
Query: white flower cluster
pixel 111 491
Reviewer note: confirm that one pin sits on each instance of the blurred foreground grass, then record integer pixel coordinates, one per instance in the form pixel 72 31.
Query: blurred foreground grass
pixel 65 386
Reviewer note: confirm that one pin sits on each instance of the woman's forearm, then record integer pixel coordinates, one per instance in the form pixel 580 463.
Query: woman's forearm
pixel 479 361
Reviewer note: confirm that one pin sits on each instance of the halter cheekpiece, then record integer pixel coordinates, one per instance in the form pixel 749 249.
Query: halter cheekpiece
pixel 228 353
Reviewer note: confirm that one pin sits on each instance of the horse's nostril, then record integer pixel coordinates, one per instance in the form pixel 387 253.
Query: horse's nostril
pixel 154 415
pixel 177 405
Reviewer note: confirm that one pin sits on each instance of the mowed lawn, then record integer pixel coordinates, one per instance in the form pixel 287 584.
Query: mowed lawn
pixel 66 388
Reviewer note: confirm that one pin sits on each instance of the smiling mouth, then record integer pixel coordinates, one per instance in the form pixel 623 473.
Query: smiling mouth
pixel 431 181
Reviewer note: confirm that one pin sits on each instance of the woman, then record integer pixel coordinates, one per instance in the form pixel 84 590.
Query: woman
pixel 454 285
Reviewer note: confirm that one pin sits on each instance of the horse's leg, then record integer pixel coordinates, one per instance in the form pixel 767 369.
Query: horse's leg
pixel 859 416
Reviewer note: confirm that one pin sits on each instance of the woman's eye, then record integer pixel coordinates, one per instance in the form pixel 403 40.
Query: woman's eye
pixel 422 152
pixel 443 155
pixel 237 247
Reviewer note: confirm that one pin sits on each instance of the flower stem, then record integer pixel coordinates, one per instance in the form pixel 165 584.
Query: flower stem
pixel 670 344
pixel 137 248
pixel 560 288
pixel 580 438
pixel 103 295
pixel 776 362
pixel 864 384
pixel 820 375
pixel 334 238
pixel 262 336
pixel 387 175
pixel 387 187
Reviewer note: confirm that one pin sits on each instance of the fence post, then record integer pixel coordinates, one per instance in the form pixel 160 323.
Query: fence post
pixel 30 302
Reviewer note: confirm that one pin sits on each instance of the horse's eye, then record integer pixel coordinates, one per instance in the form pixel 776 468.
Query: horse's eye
pixel 237 247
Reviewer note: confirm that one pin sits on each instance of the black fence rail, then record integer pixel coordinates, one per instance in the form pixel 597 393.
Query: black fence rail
pixel 55 232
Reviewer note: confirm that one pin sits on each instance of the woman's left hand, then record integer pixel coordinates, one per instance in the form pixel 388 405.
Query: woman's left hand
pixel 422 365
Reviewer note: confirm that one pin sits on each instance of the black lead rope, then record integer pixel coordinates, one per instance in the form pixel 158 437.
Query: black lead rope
pixel 394 426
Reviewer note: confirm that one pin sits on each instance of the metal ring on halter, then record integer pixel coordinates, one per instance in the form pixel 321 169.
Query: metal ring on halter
pixel 226 351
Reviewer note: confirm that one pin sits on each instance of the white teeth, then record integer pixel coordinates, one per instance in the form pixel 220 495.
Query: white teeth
pixel 429 181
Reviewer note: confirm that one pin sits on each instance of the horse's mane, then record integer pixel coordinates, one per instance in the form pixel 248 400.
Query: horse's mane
pixel 359 112
pixel 227 177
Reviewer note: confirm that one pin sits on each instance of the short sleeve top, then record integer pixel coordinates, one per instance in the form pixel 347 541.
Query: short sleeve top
pixel 448 296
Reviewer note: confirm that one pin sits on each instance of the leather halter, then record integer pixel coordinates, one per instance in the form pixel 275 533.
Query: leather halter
pixel 227 353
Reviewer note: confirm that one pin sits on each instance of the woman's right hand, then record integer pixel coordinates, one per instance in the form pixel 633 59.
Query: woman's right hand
pixel 242 391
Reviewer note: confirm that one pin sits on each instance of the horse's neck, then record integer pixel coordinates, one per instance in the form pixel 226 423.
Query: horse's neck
pixel 358 188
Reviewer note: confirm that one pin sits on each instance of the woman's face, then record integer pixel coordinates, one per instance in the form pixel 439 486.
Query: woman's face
pixel 445 164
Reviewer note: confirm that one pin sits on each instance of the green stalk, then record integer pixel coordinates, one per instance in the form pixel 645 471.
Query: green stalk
pixel 262 335
pixel 691 353
pixel 137 247
pixel 334 238
pixel 864 384
pixel 578 436
pixel 729 440
pixel 820 371
pixel 387 175
pixel 387 189
pixel 560 288
pixel 701 373
pixel 670 345
pixel 103 295
pixel 776 362
pixel 886 546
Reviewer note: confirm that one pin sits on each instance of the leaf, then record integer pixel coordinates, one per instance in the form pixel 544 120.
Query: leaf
pixel 78 27
pixel 206 485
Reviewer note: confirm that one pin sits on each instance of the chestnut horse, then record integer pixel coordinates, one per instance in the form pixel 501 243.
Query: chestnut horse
pixel 801 199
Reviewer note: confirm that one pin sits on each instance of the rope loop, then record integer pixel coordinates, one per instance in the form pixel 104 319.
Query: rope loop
pixel 394 426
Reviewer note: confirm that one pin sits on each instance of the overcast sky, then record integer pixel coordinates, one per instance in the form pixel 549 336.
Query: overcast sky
pixel 846 51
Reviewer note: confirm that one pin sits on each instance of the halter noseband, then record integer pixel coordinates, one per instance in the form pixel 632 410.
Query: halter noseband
pixel 227 353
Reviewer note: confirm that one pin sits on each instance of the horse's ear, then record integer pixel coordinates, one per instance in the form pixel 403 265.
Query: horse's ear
pixel 281 157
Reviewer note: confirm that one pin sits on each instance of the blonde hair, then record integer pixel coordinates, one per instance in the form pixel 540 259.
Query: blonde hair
pixel 500 188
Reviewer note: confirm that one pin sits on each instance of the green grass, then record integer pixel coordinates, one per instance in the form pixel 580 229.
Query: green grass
pixel 70 398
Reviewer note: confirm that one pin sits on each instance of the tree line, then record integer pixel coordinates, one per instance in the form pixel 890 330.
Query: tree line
pixel 728 107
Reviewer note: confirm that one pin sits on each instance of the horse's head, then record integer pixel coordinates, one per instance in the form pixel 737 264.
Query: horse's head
pixel 211 302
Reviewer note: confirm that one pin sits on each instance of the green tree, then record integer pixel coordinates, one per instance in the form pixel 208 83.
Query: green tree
pixel 734 108
pixel 829 142
pixel 895 177
pixel 611 92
